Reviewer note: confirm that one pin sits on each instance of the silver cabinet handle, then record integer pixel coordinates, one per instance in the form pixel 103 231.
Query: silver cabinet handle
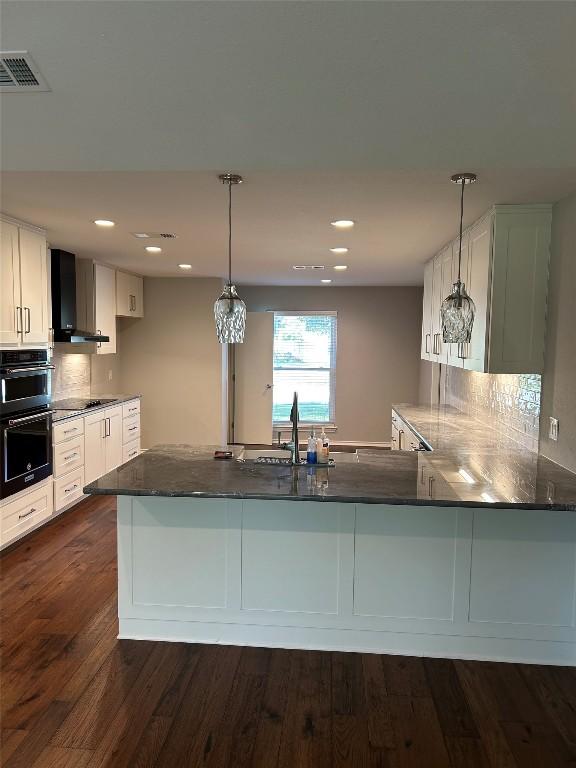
pixel 107 427
pixel 71 456
pixel 431 486
pixel 19 323
pixel 400 433
pixel 31 370
pixel 28 319
pixel 131 429
pixel 67 431
pixel 98 343
pixel 135 408
pixel 50 338
pixel 27 514
pixel 71 488
pixel 427 347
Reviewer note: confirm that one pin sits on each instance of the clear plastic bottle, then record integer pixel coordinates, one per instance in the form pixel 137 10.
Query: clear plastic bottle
pixel 312 452
pixel 323 448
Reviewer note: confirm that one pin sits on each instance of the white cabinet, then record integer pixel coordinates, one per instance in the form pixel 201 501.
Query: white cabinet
pixel 130 429
pixel 96 301
pixel 10 331
pixel 129 295
pixel 505 258
pixel 24 296
pixel 102 442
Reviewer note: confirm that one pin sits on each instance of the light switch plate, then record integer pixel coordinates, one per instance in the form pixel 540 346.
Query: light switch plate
pixel 553 429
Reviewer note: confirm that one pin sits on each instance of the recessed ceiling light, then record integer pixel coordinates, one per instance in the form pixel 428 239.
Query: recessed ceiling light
pixel 141 235
pixel 343 223
pixel 326 280
pixel 185 266
pixel 104 222
pixel 341 267
pixel 153 249
pixel 339 250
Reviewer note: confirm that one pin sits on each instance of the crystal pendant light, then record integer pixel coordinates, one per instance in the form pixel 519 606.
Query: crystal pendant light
pixel 458 309
pixel 229 309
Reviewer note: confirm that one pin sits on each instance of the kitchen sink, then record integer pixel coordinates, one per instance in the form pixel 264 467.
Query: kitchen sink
pixel 278 456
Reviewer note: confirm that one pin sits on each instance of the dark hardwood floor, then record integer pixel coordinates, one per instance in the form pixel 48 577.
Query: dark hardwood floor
pixel 74 696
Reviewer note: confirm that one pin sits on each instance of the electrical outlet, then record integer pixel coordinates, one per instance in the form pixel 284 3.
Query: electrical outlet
pixel 553 429
pixel 110 375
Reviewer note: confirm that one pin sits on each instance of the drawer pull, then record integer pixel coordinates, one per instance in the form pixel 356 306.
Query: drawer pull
pixel 27 514
pixel 133 409
pixel 132 453
pixel 67 431
pixel 131 429
pixel 72 488
pixel 71 456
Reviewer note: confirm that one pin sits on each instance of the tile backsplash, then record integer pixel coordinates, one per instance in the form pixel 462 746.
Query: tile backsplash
pixel 71 377
pixel 509 403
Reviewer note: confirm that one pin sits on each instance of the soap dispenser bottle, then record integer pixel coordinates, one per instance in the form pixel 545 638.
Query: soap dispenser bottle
pixel 323 448
pixel 312 452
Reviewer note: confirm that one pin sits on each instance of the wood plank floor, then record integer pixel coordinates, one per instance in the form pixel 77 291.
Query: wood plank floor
pixel 75 697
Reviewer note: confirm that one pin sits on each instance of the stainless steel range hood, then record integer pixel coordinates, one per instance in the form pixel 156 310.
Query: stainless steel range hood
pixel 63 281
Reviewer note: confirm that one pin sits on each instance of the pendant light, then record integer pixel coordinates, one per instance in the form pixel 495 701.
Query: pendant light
pixel 229 309
pixel 458 309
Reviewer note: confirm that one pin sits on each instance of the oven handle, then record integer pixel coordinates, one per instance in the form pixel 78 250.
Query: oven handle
pixel 24 419
pixel 31 370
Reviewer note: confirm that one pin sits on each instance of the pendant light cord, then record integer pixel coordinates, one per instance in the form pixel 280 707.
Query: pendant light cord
pixel 461 220
pixel 230 232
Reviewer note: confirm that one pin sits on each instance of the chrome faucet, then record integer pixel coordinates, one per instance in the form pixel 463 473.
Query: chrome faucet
pixel 293 445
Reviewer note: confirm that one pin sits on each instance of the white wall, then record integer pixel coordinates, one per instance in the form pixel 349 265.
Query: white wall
pixel 559 380
pixel 378 348
pixel 172 357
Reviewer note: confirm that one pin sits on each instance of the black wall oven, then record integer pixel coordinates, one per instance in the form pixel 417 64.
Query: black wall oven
pixel 25 419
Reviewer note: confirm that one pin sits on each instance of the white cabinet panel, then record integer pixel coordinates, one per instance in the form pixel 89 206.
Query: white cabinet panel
pixel 523 567
pixel 34 282
pixel 94 446
pixel 426 350
pixel 113 439
pixel 190 549
pixel 68 456
pixel 291 562
pixel 65 430
pixel 405 559
pixel 478 285
pixel 105 307
pixel 68 489
pixel 131 428
pixel 129 295
pixel 9 284
pixel 26 512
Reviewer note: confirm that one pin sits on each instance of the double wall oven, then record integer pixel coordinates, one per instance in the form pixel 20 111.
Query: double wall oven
pixel 25 419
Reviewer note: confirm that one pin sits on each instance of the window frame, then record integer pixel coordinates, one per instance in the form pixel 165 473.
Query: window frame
pixel 331 423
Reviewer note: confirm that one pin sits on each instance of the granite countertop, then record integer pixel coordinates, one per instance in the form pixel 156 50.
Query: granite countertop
pixel 58 414
pixel 385 477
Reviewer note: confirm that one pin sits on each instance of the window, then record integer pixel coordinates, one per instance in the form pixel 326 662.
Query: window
pixel 304 362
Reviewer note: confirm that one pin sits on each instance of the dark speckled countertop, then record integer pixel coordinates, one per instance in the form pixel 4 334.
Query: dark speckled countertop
pixel 470 465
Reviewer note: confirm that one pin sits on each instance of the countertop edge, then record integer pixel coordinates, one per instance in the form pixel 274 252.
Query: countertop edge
pixel 79 413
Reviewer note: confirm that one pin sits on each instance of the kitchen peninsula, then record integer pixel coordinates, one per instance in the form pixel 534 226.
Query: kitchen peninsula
pixel 352 557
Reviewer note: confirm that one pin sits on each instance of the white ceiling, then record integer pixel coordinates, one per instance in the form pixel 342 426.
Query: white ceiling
pixel 359 109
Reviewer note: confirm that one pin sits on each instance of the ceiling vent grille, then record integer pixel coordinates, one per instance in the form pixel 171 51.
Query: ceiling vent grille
pixel 19 73
pixel 155 235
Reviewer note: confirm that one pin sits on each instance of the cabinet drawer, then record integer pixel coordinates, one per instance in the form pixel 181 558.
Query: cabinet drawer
pixel 68 456
pixel 130 450
pixel 67 429
pixel 68 488
pixel 130 429
pixel 131 408
pixel 18 516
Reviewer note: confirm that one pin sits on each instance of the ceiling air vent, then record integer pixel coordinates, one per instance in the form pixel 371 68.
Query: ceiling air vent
pixel 19 73
pixel 155 235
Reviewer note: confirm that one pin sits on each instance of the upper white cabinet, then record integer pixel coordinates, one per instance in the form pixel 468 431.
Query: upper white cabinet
pixel 96 301
pixel 505 258
pixel 24 298
pixel 129 295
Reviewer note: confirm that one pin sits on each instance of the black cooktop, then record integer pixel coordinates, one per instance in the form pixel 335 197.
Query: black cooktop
pixel 80 403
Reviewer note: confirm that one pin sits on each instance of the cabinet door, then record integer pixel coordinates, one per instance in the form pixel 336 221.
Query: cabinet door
pixel 426 350
pixel 123 303
pixel 9 284
pixel 455 351
pixel 137 293
pixel 478 285
pixel 34 283
pixel 105 307
pixel 441 284
pixel 94 446
pixel 113 440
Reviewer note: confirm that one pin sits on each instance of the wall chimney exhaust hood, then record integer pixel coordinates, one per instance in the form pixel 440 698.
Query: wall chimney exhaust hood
pixel 63 282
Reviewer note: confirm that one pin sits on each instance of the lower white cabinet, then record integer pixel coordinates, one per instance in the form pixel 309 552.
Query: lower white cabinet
pixel 102 442
pixel 130 450
pixel 68 456
pixel 25 511
pixel 68 488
